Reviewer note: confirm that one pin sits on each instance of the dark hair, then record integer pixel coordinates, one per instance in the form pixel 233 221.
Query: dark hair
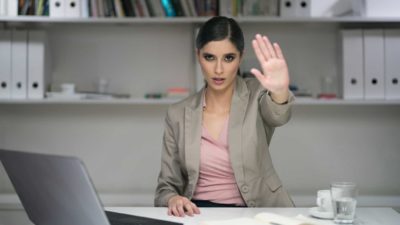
pixel 219 28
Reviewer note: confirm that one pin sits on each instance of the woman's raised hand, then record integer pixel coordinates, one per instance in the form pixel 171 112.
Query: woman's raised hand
pixel 181 206
pixel 275 74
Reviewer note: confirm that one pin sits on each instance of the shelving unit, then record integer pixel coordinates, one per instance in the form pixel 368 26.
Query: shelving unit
pixel 168 20
pixel 143 101
pixel 51 23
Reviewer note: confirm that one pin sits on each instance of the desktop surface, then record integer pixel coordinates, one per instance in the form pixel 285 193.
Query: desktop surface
pixel 365 216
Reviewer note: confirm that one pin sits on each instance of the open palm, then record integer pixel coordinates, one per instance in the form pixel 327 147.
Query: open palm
pixel 275 74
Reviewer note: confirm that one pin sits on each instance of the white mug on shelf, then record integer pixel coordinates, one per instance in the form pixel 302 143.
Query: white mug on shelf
pixel 324 201
pixel 68 88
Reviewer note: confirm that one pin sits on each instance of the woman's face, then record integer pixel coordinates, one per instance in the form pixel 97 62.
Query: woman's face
pixel 219 62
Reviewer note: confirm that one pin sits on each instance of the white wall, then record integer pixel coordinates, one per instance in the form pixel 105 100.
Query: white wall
pixel 121 146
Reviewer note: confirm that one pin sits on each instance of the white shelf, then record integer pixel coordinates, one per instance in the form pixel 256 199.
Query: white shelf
pixel 191 20
pixel 131 101
pixel 312 101
pixel 165 101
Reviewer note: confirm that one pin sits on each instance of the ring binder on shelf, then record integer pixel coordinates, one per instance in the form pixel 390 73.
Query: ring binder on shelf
pixel 392 65
pixel 5 64
pixel 374 64
pixel 352 64
pixel 19 50
pixel 38 64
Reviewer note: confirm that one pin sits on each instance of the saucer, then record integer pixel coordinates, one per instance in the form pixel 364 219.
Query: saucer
pixel 316 212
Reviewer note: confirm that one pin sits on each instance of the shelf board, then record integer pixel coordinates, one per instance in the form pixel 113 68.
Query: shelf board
pixel 131 101
pixel 191 20
pixel 313 101
pixel 166 101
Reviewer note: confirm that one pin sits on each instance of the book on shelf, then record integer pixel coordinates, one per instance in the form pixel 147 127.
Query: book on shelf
pixel 265 218
pixel 139 8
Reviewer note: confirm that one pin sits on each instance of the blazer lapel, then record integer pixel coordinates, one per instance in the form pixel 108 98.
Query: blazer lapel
pixel 193 119
pixel 236 120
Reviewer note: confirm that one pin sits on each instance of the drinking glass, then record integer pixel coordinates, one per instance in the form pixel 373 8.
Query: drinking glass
pixel 344 201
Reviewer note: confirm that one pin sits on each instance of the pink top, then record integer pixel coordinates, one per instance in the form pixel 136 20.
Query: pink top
pixel 216 179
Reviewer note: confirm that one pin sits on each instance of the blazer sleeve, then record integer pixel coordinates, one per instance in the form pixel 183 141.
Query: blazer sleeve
pixel 274 114
pixel 170 179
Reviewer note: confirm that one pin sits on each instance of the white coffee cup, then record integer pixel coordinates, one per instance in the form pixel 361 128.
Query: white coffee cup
pixel 68 88
pixel 324 201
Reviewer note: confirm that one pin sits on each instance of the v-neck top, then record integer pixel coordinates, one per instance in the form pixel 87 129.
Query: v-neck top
pixel 216 181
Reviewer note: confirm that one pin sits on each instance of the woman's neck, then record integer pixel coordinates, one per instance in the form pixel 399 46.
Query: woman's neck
pixel 218 101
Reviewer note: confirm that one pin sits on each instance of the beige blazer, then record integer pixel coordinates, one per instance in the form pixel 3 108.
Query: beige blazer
pixel 253 117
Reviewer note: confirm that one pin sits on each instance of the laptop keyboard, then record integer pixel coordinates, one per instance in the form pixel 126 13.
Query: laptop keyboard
pixel 125 219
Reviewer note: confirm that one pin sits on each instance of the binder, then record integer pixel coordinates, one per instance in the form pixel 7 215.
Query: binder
pixel 374 64
pixel 225 8
pixel 352 64
pixel 84 8
pixel 392 64
pixel 12 7
pixel 168 8
pixel 73 8
pixel 157 8
pixel 3 8
pixel 5 64
pixel 38 64
pixel 19 64
pixel 381 8
pixel 288 8
pixel 303 8
pixel 57 8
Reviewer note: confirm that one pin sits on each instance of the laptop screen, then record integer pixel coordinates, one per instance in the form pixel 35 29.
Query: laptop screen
pixel 54 190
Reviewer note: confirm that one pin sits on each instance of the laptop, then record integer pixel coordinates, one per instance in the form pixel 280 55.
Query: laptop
pixel 57 190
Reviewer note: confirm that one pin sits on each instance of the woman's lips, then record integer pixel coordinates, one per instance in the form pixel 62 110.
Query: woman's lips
pixel 218 81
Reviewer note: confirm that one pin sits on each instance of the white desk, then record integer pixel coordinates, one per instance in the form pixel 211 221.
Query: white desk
pixel 365 216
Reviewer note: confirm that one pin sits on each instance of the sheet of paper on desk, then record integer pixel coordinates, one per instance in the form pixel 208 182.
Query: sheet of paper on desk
pixel 261 219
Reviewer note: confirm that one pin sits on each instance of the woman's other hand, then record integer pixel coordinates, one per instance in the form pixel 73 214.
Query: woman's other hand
pixel 275 74
pixel 179 206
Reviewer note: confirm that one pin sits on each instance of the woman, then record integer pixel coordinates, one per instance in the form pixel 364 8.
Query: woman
pixel 215 146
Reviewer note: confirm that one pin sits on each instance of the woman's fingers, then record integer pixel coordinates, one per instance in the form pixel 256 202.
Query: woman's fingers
pixel 257 50
pixel 181 206
pixel 269 46
pixel 278 50
pixel 263 47
pixel 260 77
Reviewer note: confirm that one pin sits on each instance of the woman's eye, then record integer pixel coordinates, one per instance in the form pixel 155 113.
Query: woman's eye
pixel 208 57
pixel 229 58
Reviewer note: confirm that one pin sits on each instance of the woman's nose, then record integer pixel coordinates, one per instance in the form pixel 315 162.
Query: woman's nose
pixel 219 68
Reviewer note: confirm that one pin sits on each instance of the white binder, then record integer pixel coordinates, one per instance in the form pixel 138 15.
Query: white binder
pixel 12 7
pixel 352 64
pixel 73 8
pixel 392 64
pixel 303 8
pixel 288 8
pixel 5 64
pixel 374 64
pixel 38 64
pixel 57 8
pixel 84 8
pixel 19 64
pixel 3 8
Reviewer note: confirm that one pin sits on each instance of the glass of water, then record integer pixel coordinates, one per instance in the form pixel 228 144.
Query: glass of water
pixel 344 201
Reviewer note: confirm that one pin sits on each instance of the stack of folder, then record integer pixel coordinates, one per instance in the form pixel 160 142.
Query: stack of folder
pixel 370 63
pixel 24 63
